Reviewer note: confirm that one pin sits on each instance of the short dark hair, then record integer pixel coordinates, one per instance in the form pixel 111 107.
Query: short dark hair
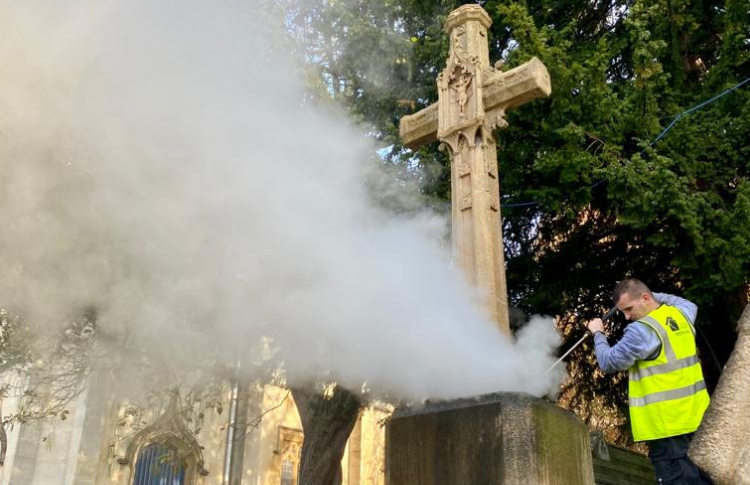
pixel 632 286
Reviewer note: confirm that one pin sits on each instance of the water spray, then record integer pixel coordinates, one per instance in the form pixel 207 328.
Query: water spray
pixel 606 317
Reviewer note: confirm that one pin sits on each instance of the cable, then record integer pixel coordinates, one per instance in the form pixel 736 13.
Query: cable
pixel 693 109
pixel 656 140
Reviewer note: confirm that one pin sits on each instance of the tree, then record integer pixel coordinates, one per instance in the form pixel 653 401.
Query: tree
pixel 47 374
pixel 328 416
pixel 595 197
pixel 591 195
pixel 672 213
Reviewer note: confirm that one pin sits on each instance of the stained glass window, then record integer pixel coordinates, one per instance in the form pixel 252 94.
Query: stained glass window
pixel 287 472
pixel 158 464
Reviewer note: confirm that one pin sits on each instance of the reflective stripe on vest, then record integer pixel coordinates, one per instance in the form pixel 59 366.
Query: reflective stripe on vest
pixel 664 368
pixel 667 394
pixel 673 363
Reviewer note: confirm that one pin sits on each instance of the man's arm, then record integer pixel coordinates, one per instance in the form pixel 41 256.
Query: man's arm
pixel 638 342
pixel 687 307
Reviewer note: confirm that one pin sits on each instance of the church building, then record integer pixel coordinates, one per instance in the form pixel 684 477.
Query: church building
pixel 254 438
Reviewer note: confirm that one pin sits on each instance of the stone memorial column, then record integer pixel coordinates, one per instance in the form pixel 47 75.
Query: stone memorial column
pixel 473 98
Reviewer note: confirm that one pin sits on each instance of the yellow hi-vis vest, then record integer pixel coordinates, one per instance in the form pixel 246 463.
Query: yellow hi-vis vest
pixel 667 394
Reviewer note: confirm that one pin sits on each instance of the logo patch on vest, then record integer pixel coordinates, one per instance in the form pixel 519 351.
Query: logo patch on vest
pixel 672 324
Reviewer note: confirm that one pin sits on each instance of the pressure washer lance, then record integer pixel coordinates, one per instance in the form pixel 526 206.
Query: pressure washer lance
pixel 606 317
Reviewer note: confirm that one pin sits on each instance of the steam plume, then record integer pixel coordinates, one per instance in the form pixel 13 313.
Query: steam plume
pixel 159 163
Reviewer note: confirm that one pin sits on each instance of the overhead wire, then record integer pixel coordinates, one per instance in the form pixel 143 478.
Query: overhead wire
pixel 655 140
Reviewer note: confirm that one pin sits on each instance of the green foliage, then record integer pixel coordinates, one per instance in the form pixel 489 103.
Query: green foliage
pixel 17 350
pixel 609 202
pixel 44 374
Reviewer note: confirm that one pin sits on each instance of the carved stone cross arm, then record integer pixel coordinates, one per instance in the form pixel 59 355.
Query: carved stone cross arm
pixel 506 90
pixel 501 91
pixel 419 129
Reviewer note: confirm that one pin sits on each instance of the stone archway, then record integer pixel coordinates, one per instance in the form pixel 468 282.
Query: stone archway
pixel 177 445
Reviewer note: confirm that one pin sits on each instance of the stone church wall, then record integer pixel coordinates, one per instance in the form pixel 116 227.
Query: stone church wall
pixel 99 442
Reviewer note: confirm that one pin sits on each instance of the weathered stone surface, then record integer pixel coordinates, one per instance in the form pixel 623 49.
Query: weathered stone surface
pixel 473 97
pixel 618 466
pixel 497 439
pixel 420 128
pixel 721 447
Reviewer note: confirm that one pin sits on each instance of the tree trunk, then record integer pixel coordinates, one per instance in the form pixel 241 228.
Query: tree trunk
pixel 327 420
pixel 3 442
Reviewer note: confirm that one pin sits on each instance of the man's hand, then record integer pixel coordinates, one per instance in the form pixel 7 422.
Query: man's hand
pixel 596 325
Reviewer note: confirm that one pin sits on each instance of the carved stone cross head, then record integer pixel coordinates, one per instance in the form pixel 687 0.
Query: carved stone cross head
pixel 473 97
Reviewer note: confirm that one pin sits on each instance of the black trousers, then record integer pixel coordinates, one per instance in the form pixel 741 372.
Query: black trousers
pixel 671 463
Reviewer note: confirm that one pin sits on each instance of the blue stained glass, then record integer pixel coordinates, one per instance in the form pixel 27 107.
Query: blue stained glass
pixel 157 465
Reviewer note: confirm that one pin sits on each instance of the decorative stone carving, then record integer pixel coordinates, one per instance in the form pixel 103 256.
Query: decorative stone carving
pixel 168 428
pixel 459 82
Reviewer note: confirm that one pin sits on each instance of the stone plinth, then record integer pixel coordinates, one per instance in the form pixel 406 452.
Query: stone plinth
pixel 495 439
pixel 721 447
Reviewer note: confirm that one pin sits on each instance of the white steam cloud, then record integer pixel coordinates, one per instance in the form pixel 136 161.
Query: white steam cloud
pixel 157 162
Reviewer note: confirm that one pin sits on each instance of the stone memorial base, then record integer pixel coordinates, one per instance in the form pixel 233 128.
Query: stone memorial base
pixel 495 439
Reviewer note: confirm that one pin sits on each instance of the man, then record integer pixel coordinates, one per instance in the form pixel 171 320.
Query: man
pixel 667 394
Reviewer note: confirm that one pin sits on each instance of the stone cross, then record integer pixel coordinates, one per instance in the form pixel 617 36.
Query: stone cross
pixel 473 97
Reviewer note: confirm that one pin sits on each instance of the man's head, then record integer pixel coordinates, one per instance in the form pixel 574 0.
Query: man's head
pixel 634 299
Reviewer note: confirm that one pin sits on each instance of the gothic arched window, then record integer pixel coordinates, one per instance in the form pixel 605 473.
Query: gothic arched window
pixel 290 441
pixel 158 464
